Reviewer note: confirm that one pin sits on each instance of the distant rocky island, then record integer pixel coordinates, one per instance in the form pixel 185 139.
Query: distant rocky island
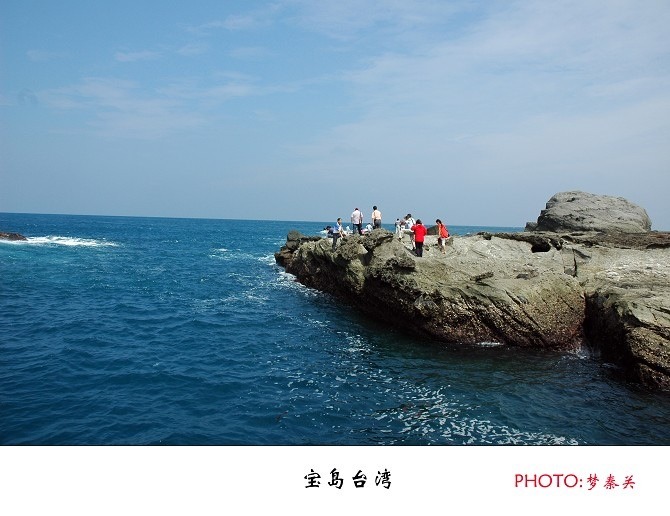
pixel 11 236
pixel 589 272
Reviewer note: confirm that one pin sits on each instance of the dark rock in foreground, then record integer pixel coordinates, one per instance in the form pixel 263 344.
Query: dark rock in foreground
pixel 555 290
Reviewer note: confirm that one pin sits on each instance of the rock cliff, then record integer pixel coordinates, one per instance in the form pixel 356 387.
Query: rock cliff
pixel 558 289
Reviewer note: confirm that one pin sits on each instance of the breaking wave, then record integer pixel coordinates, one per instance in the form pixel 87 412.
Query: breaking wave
pixel 62 241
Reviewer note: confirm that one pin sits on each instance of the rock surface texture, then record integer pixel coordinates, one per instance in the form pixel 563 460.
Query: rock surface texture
pixel 606 288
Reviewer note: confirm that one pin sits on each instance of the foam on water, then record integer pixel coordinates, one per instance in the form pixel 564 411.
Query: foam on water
pixel 61 241
pixel 489 344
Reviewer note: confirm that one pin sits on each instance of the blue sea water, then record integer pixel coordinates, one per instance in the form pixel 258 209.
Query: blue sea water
pixel 120 330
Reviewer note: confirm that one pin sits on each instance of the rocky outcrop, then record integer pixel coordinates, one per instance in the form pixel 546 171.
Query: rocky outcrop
pixel 11 236
pixel 549 289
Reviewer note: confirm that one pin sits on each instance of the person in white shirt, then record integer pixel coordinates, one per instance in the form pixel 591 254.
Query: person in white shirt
pixel 357 221
pixel 409 222
pixel 398 228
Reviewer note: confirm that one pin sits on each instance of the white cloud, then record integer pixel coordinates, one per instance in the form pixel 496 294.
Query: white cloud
pixel 131 57
pixel 234 22
pixel 129 109
pixel 255 52
pixel 44 55
pixel 526 92
pixel 350 19
pixel 27 97
pixel 529 93
pixel 193 49
pixel 5 101
pixel 120 108
pixel 521 63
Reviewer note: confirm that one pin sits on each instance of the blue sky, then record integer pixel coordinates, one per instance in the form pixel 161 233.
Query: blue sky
pixel 472 111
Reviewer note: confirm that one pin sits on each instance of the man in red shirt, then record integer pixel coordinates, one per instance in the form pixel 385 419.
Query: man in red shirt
pixel 419 231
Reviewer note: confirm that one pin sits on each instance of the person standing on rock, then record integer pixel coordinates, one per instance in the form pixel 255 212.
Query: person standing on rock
pixel 357 221
pixel 376 218
pixel 398 228
pixel 442 235
pixel 419 231
pixel 338 231
pixel 409 222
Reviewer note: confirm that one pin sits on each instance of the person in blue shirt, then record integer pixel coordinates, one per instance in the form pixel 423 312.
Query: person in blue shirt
pixel 338 232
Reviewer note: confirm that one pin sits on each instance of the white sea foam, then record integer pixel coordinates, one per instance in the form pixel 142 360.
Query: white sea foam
pixel 62 241
pixel 489 344
pixel 228 255
pixel 267 259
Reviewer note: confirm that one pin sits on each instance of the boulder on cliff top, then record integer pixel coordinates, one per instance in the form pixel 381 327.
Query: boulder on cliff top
pixel 580 211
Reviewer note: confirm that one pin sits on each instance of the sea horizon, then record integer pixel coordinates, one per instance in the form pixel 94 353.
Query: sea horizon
pixel 170 217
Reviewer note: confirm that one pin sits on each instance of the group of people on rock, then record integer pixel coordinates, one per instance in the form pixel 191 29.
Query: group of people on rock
pixel 357 220
pixel 415 228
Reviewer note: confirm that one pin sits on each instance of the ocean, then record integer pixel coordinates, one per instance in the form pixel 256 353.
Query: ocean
pixel 158 331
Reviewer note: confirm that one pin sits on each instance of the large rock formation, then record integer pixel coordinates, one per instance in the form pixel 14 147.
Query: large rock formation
pixel 558 290
pixel 581 211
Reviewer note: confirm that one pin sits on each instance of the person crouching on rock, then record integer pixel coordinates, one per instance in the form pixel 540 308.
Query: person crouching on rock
pixel 442 236
pixel 338 232
pixel 419 231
